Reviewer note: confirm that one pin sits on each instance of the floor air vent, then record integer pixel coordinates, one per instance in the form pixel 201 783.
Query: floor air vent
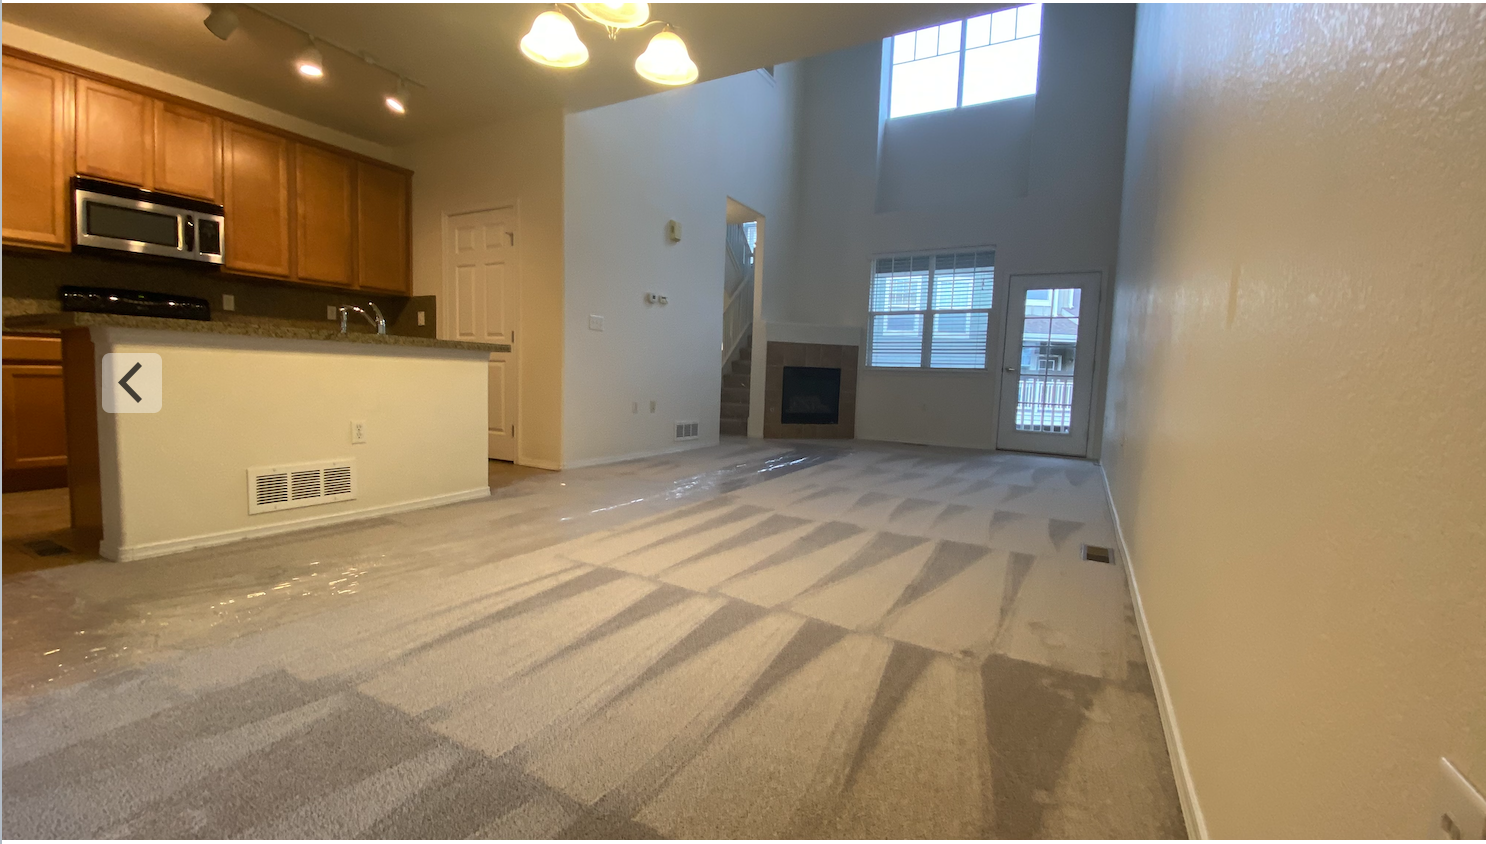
pixel 686 430
pixel 1098 554
pixel 273 488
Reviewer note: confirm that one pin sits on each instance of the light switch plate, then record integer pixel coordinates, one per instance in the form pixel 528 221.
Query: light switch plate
pixel 1460 810
pixel 330 312
pixel 595 322
pixel 358 431
pixel 229 302
pixel 421 318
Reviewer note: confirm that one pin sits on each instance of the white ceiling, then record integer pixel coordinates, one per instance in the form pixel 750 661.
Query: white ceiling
pixel 465 53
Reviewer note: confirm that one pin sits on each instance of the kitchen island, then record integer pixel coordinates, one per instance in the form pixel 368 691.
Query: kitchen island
pixel 263 428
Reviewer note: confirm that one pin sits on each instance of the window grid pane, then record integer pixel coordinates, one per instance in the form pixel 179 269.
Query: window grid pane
pixel 898 340
pixel 936 69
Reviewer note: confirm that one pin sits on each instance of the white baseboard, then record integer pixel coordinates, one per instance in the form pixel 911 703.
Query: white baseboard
pixel 550 465
pixel 639 455
pixel 145 550
pixel 1186 790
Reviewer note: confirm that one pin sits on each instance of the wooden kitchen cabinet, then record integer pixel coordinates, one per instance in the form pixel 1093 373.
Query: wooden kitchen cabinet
pixel 37 155
pixel 188 152
pixel 325 185
pixel 115 134
pixel 381 228
pixel 35 432
pixel 255 194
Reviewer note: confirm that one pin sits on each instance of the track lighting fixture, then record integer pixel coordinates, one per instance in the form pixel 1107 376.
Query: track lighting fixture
pixel 553 42
pixel 222 21
pixel 310 63
pixel 397 101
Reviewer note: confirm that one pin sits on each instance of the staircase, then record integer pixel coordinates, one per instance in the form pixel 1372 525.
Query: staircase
pixel 737 377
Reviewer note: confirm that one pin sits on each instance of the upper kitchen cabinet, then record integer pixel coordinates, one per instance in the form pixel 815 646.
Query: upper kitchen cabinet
pixel 325 185
pixel 382 227
pixel 188 152
pixel 255 194
pixel 115 134
pixel 37 154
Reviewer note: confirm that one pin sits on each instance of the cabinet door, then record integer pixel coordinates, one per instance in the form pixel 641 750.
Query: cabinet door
pixel 35 424
pixel 115 134
pixel 37 154
pixel 382 227
pixel 188 152
pixel 255 193
pixel 325 185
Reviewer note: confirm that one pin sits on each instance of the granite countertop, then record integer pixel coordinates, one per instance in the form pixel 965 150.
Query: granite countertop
pixel 241 326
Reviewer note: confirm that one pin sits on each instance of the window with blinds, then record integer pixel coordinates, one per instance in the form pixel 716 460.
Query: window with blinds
pixel 931 311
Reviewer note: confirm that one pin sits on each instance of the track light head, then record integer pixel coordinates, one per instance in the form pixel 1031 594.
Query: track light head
pixel 221 22
pixel 397 101
pixel 310 63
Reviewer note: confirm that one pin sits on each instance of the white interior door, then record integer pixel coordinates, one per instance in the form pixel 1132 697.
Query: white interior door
pixel 1047 379
pixel 480 280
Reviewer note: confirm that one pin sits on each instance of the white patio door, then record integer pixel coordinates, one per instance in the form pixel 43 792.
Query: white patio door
pixel 1047 379
pixel 480 280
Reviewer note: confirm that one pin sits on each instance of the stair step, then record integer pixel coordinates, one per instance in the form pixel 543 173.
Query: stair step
pixel 735 394
pixel 736 381
pixel 733 427
pixel 734 410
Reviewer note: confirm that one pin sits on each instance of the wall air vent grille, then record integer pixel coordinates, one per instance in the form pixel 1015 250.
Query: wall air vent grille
pixel 1098 554
pixel 687 430
pixel 272 488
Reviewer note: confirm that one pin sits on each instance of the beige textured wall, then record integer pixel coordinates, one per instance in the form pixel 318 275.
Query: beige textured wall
pixel 516 162
pixel 1296 426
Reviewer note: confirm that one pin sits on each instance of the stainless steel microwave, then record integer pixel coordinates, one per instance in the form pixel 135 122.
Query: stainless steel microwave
pixel 126 219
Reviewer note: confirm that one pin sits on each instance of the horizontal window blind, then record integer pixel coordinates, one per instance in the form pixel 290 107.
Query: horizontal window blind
pixel 949 294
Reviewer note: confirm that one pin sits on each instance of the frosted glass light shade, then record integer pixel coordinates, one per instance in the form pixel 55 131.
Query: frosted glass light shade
pixel 553 42
pixel 617 15
pixel 310 63
pixel 666 61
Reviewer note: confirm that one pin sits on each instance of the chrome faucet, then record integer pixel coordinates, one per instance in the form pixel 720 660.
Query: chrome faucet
pixel 380 322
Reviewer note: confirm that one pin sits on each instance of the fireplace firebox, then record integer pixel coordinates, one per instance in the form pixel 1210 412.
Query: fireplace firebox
pixel 811 396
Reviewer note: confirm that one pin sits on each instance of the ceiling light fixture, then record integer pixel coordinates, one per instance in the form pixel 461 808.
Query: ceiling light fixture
pixel 310 63
pixel 553 41
pixel 397 101
pixel 666 61
pixel 222 22
pixel 616 15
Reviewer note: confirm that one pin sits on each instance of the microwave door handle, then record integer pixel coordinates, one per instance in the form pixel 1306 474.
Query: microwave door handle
pixel 188 229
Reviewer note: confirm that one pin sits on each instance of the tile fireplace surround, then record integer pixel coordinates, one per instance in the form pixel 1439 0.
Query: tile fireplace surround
pixel 780 355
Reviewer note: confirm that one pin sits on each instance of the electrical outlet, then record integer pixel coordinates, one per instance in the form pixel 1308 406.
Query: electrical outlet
pixel 1460 811
pixel 358 431
pixel 330 312
pixel 595 322
pixel 652 405
pixel 421 319
pixel 229 302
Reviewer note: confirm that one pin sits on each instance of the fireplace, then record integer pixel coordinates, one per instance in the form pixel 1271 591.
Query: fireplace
pixel 810 390
pixel 811 396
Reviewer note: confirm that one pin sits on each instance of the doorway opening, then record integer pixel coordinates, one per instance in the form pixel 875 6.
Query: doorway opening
pixel 1051 320
pixel 483 289
pixel 742 257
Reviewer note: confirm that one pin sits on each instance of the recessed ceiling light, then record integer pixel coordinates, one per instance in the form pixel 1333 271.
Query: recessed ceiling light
pixel 397 101
pixel 310 63
pixel 222 22
pixel 553 42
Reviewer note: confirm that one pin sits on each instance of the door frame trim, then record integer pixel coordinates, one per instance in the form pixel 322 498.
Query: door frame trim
pixel 445 304
pixel 1096 393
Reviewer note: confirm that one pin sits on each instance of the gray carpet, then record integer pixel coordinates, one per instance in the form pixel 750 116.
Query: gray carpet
pixel 880 642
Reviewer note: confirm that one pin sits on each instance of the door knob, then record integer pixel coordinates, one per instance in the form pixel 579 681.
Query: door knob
pixel 1011 369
